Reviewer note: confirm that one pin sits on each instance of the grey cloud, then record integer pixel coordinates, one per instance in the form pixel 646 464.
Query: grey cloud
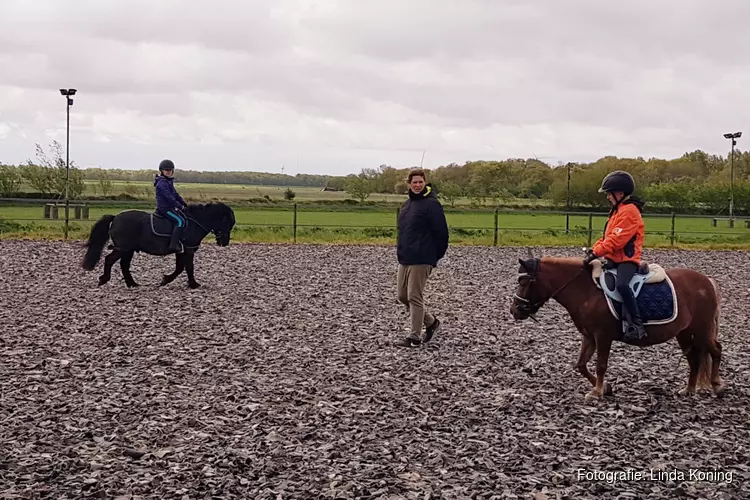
pixel 249 27
pixel 384 75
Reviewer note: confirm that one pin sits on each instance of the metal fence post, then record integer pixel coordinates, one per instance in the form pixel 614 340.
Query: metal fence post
pixel 295 223
pixel 671 242
pixel 591 231
pixel 496 217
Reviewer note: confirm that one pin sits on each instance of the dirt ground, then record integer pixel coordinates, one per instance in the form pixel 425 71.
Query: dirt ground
pixel 278 379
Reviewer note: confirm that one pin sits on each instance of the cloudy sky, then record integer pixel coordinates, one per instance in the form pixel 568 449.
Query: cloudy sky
pixel 331 86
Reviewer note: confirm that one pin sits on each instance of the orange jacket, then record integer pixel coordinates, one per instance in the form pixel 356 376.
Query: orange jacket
pixel 623 234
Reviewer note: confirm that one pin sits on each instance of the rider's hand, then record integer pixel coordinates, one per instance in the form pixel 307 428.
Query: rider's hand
pixel 590 256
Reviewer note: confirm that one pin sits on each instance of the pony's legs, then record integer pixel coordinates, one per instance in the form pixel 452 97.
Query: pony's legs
pixel 190 270
pixel 603 346
pixel 179 267
pixel 587 351
pixel 109 261
pixel 125 260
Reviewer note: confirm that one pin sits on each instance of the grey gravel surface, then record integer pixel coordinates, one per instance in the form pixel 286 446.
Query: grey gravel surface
pixel 278 379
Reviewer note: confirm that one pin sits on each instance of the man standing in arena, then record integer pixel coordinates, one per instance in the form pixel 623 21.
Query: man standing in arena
pixel 422 242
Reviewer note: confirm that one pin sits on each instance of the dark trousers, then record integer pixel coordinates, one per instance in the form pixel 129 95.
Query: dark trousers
pixel 625 272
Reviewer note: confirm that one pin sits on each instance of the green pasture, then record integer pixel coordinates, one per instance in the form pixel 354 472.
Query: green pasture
pixel 227 192
pixel 203 192
pixel 269 225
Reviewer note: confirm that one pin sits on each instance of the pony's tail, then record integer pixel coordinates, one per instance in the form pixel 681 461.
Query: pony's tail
pixel 706 360
pixel 97 239
pixel 704 371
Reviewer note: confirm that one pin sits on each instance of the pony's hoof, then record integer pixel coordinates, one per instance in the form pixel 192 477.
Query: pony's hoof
pixel 592 396
pixel 164 281
pixel 686 392
pixel 193 285
pixel 608 389
pixel 102 281
pixel 132 285
pixel 720 390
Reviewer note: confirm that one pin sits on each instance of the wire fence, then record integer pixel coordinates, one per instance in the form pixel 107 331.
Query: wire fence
pixel 290 221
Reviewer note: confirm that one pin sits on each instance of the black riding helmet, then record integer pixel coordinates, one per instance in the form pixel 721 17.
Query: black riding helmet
pixel 166 165
pixel 619 180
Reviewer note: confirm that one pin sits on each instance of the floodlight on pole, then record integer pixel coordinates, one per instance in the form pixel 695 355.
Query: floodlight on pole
pixel 68 94
pixel 733 136
pixel 567 201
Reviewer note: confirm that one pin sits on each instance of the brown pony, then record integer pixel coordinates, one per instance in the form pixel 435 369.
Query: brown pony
pixel 569 282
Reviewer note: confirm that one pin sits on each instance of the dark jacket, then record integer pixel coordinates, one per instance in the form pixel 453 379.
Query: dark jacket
pixel 166 195
pixel 422 229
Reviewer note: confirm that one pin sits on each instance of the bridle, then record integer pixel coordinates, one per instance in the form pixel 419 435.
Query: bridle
pixel 529 308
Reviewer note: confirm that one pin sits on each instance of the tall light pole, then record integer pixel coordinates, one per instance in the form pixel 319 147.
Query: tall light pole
pixel 567 201
pixel 733 137
pixel 68 94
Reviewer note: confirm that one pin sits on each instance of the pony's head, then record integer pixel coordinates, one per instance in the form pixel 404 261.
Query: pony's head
pixel 217 218
pixel 535 287
pixel 530 294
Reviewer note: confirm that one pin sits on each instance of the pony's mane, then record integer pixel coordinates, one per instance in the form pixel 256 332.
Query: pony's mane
pixel 204 206
pixel 562 261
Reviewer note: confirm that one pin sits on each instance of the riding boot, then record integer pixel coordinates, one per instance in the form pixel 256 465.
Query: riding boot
pixel 174 242
pixel 635 329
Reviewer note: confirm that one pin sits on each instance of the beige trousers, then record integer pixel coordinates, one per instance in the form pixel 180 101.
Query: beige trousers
pixel 411 284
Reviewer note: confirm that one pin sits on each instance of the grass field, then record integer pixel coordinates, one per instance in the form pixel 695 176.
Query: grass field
pixel 268 225
pixel 230 192
pixel 238 192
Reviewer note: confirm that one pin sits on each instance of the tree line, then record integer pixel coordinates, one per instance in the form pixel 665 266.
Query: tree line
pixel 694 180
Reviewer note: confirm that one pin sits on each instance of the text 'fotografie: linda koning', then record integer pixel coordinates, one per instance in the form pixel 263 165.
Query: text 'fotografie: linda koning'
pixel 712 476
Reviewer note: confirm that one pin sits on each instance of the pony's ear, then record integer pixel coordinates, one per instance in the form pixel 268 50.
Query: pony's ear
pixel 529 265
pixel 531 254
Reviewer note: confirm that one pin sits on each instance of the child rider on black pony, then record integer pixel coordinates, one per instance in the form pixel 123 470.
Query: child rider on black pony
pixel 169 203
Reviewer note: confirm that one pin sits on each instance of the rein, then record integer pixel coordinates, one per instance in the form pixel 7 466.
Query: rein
pixel 199 224
pixel 202 227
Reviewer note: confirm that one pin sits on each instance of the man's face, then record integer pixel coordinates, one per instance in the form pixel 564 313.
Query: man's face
pixel 417 184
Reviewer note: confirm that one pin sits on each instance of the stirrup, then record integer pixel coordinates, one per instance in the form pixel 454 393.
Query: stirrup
pixel 633 331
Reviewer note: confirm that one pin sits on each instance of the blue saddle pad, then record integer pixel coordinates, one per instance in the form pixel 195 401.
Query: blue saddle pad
pixel 657 303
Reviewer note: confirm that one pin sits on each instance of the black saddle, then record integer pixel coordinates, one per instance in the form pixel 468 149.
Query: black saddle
pixel 163 226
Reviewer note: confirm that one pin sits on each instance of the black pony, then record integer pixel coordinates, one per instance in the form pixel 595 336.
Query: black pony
pixel 138 231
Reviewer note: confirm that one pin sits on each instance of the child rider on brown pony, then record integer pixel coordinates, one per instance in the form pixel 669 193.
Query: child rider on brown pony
pixel 622 243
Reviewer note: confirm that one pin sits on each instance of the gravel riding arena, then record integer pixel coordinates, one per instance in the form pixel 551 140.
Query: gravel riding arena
pixel 278 379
